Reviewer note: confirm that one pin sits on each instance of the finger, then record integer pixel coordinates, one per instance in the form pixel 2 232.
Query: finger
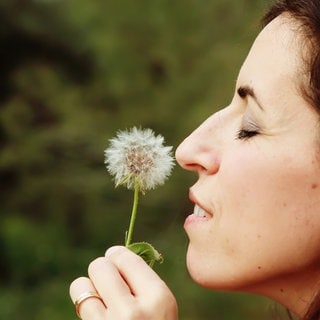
pixel 109 282
pixel 91 308
pixel 139 276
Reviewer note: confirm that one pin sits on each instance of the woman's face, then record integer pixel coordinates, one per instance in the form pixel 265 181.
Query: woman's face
pixel 257 198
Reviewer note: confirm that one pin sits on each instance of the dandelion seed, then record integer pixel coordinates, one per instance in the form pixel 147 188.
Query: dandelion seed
pixel 139 156
pixel 138 159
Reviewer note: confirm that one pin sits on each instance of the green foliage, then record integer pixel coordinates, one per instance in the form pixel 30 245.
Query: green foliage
pixel 71 74
pixel 148 253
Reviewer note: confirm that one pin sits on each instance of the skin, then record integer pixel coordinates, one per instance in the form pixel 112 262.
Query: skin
pixel 259 185
pixel 129 288
pixel 260 188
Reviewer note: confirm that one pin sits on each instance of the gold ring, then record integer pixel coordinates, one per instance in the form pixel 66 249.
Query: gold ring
pixel 84 296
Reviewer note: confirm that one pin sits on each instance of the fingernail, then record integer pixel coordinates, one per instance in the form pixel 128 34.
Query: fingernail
pixel 112 250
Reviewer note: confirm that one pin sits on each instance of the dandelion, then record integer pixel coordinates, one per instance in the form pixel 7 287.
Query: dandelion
pixel 138 160
pixel 138 157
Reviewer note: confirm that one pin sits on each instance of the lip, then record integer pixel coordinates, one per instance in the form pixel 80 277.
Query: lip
pixel 192 218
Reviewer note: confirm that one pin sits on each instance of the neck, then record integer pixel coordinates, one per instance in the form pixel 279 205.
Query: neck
pixel 294 292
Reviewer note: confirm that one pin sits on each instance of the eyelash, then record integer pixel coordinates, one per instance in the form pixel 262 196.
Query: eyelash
pixel 246 134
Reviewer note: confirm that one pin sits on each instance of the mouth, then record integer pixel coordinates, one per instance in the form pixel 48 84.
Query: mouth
pixel 199 210
pixel 200 216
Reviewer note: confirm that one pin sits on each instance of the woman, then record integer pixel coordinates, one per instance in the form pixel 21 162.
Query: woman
pixel 256 221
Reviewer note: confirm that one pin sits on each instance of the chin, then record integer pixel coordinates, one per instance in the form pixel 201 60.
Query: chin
pixel 217 276
pixel 204 273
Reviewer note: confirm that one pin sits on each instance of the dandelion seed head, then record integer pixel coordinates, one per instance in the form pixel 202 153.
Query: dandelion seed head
pixel 139 156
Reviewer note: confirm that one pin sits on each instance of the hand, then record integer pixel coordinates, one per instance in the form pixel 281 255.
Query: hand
pixel 128 287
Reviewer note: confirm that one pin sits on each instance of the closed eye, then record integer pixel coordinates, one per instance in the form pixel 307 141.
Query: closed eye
pixel 246 134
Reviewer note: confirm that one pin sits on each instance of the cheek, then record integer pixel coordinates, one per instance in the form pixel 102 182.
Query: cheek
pixel 262 182
pixel 271 201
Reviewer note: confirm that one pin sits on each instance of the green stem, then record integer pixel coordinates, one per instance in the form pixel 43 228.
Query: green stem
pixel 133 213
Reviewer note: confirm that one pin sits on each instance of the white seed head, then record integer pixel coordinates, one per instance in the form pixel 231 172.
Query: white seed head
pixel 138 156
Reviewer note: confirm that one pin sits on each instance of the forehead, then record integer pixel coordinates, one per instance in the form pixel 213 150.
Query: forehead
pixel 274 61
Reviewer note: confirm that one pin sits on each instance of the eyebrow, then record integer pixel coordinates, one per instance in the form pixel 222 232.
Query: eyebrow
pixel 244 91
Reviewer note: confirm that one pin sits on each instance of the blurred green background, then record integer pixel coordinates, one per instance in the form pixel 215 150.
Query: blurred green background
pixel 72 73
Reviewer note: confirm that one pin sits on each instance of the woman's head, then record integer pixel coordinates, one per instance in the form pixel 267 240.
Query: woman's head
pixel 256 225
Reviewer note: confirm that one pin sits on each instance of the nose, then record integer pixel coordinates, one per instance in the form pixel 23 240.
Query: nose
pixel 199 152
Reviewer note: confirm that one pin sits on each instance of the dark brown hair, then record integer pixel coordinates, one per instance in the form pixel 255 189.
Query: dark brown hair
pixel 307 14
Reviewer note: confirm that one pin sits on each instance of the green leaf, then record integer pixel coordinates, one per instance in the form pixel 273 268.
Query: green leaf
pixel 147 252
